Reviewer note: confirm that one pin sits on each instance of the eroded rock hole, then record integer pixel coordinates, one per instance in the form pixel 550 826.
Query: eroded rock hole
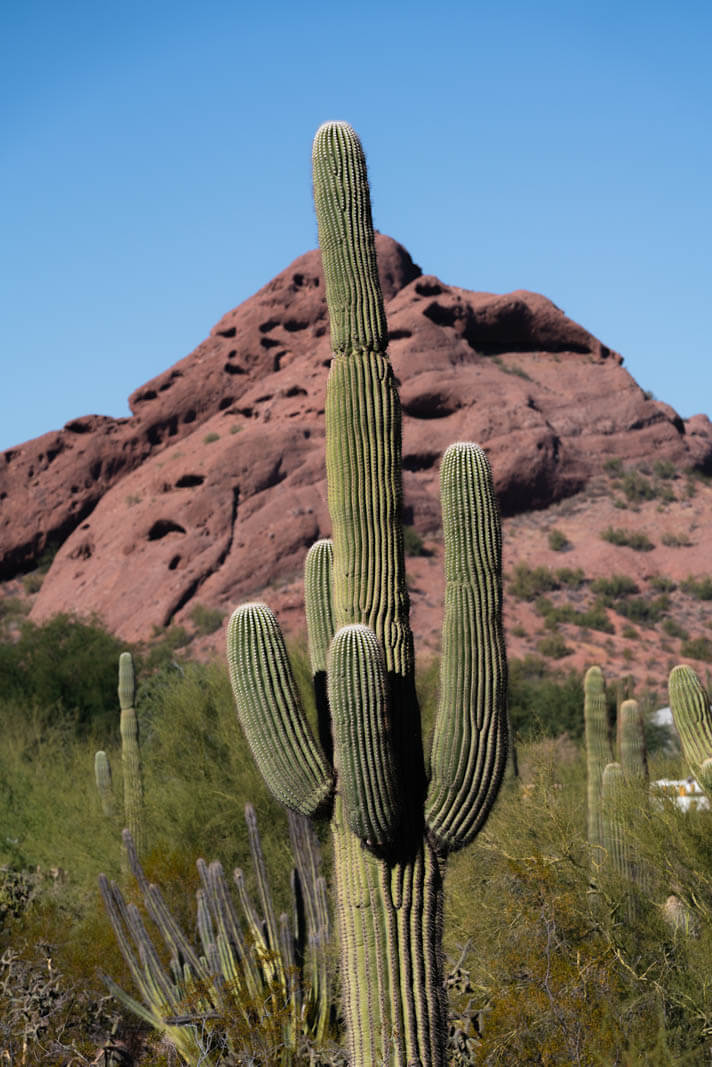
pixel 162 527
pixel 189 481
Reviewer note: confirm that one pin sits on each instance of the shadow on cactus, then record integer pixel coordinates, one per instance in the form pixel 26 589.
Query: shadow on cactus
pixel 262 994
pixel 392 827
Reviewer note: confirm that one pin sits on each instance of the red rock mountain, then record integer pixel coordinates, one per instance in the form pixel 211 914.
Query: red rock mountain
pixel 215 486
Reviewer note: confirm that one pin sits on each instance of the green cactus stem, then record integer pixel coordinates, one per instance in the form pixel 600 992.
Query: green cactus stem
pixel 102 776
pixel 598 751
pixel 690 706
pixel 269 706
pixel 615 839
pixel 131 754
pixel 391 829
pixel 633 751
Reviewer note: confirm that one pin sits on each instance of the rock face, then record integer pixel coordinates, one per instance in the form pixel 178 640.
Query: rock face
pixel 215 486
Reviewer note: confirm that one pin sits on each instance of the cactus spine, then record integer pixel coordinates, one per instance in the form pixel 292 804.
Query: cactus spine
pixel 131 753
pixel 690 706
pixel 391 829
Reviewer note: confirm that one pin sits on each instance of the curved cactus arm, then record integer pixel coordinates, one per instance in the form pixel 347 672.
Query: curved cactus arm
pixel 470 740
pixel 633 753
pixel 690 705
pixel 363 748
pixel 598 751
pixel 268 705
pixel 102 776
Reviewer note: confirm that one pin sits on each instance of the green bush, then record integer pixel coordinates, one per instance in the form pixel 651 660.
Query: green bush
pixel 528 582
pixel 615 587
pixel 637 488
pixel 697 648
pixel 553 646
pixel 699 588
pixel 206 620
pixel 674 629
pixel 64 667
pixel 558 541
pixel 412 542
pixel 662 584
pixel 627 538
pixel 673 540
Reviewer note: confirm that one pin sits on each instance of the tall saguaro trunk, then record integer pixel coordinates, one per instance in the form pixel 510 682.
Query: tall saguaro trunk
pixel 392 828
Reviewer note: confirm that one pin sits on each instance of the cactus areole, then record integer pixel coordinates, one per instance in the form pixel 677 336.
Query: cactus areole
pixel 392 825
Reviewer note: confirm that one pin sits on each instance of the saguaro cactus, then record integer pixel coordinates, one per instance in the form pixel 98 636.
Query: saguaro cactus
pixel 391 828
pixel 690 706
pixel 633 752
pixel 131 753
pixel 598 749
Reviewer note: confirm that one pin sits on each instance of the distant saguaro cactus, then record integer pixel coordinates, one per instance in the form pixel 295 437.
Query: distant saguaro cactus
pixel 598 749
pixel 392 829
pixel 131 754
pixel 102 776
pixel 633 752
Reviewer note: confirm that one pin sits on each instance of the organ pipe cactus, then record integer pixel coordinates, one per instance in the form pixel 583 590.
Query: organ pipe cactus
pixel 392 828
pixel 690 706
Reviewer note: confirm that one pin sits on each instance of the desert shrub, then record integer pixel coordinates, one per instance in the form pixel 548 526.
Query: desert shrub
pixel 627 538
pixel 206 620
pixel 412 541
pixel 593 617
pixel 210 438
pixel 641 610
pixel 558 541
pixel 674 629
pixel 662 584
pixel 613 466
pixel 665 469
pixel 528 582
pixel 553 646
pixel 675 540
pixel 697 648
pixel 570 577
pixel 618 585
pixel 699 588
pixel 65 667
pixel 637 488
pixel 541 702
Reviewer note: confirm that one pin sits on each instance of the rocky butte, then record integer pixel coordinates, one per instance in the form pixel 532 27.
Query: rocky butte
pixel 213 489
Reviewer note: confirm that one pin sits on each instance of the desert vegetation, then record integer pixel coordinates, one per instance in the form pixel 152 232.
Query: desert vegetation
pixel 505 886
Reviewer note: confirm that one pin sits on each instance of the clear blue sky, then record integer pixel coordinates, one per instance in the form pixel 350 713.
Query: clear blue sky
pixel 156 172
